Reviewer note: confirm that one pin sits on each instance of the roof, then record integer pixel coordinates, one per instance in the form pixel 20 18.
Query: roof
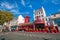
pixel 39 22
pixel 23 24
pixel 55 13
pixel 20 19
pixel 41 9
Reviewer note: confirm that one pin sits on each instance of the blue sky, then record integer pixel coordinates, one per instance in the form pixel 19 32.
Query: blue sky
pixel 26 7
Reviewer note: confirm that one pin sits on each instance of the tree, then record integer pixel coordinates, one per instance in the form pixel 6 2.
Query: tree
pixel 5 16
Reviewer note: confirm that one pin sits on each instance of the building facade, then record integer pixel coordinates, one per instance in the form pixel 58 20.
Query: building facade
pixel 20 19
pixel 49 21
pixel 41 14
pixel 56 19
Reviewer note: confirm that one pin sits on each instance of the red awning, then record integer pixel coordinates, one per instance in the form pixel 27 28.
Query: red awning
pixel 39 21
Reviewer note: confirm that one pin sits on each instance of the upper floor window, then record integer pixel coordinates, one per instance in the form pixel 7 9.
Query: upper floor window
pixel 49 19
pixel 54 15
pixel 43 19
pixel 39 12
pixel 46 19
pixel 42 16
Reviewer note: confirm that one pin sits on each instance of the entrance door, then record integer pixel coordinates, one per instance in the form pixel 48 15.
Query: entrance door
pixel 39 26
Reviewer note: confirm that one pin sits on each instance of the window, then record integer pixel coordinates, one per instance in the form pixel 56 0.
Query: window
pixel 39 12
pixel 47 23
pixel 54 15
pixel 42 15
pixel 49 19
pixel 46 19
pixel 35 13
pixel 43 19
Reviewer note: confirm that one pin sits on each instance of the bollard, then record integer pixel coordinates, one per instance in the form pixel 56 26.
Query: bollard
pixel 3 39
pixel 27 30
pixel 46 38
pixel 52 30
pixel 15 30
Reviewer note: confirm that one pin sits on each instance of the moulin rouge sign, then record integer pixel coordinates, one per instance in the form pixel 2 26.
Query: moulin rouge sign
pixel 38 20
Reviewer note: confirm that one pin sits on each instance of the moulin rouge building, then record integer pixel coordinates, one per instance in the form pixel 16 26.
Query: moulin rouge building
pixel 41 22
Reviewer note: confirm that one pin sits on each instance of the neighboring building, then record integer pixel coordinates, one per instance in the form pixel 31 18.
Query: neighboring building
pixel 1 27
pixel 26 19
pixel 13 22
pixel 20 19
pixel 41 13
pixel 8 25
pixel 55 18
pixel 49 21
pixel 16 21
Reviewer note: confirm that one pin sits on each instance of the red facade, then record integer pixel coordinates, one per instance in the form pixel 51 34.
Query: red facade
pixel 26 19
pixel 37 26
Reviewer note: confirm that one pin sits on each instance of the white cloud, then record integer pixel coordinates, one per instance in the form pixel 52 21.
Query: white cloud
pixel 55 1
pixel 30 6
pixel 9 7
pixel 52 1
pixel 23 2
pixel 59 10
pixel 34 10
pixel 6 5
pixel 15 11
pixel 16 4
pixel 45 1
pixel 27 13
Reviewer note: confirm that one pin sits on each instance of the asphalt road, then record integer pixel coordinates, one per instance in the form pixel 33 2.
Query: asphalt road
pixel 29 36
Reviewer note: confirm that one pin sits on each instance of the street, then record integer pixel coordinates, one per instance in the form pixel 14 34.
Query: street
pixel 29 36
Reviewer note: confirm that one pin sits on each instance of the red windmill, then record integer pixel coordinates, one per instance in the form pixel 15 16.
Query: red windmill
pixel 26 19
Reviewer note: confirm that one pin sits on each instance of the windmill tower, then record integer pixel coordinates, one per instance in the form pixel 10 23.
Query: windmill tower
pixel 23 18
pixel 26 18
